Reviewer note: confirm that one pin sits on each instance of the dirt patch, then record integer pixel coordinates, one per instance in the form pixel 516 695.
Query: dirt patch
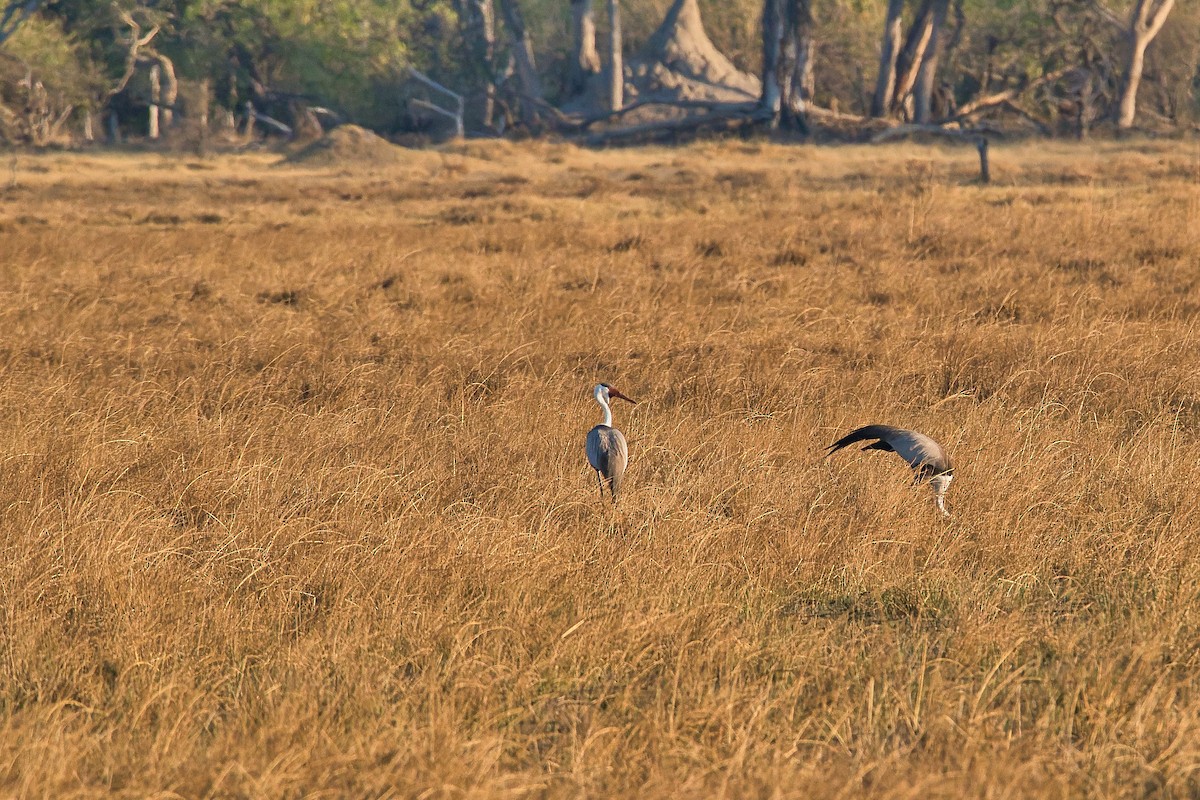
pixel 348 144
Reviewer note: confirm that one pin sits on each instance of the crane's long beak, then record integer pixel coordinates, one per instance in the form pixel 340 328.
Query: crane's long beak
pixel 614 393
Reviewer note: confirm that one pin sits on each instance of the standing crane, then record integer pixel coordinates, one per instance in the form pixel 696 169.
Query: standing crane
pixel 607 451
pixel 928 459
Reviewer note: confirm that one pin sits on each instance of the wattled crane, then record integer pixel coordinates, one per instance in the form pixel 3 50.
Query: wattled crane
pixel 607 451
pixel 927 458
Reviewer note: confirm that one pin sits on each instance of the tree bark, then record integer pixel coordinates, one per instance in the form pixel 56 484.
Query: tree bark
pixel 170 90
pixel 1144 24
pixel 889 50
pixel 585 60
pixel 155 98
pixel 803 77
pixel 787 79
pixel 203 133
pixel 927 74
pixel 908 62
pixel 1000 98
pixel 616 61
pixel 479 31
pixel 522 49
pixel 772 30
pixel 164 91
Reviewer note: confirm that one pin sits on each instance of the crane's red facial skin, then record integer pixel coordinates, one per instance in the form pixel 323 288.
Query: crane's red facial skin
pixel 614 393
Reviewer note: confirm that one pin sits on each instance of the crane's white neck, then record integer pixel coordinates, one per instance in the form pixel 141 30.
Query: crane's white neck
pixel 602 399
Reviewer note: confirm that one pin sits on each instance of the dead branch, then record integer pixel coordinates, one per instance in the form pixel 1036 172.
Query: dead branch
pixel 135 43
pixel 455 116
pixel 829 115
pixel 432 84
pixel 1041 125
pixel 253 115
pixel 1000 98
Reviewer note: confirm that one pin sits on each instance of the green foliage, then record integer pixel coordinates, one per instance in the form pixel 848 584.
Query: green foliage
pixel 43 51
pixel 339 54
pixel 352 55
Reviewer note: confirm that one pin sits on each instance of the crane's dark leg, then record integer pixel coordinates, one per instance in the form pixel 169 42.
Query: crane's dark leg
pixel 600 483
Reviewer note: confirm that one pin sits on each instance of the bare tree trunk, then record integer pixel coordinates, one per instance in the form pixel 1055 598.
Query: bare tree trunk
pixel 1144 24
pixel 522 49
pixel 787 62
pixel 248 134
pixel 134 43
pixel 772 88
pixel 927 74
pixel 772 54
pixel 170 90
pixel 585 61
pixel 804 79
pixel 155 99
pixel 889 49
pixel 1085 106
pixel 616 61
pixel 479 30
pixel 202 134
pixel 908 62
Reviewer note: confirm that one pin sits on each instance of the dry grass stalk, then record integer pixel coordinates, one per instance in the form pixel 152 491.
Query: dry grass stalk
pixel 295 500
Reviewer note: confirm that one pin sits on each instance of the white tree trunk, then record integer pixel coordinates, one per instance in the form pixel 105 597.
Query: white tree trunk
pixel 170 90
pixel 908 60
pixel 803 78
pixel 1144 24
pixel 616 61
pixel 522 51
pixel 927 74
pixel 479 30
pixel 155 98
pixel 787 61
pixel 889 49
pixel 585 62
pixel 772 29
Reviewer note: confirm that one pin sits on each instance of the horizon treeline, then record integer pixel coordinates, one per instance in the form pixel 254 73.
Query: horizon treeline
pixel 92 70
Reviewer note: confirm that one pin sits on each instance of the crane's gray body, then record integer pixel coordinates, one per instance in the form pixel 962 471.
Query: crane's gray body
pixel 608 454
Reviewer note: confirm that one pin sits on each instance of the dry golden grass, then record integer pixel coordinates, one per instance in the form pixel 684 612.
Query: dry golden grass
pixel 295 503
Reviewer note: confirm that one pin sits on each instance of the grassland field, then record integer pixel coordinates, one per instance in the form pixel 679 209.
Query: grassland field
pixel 294 503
